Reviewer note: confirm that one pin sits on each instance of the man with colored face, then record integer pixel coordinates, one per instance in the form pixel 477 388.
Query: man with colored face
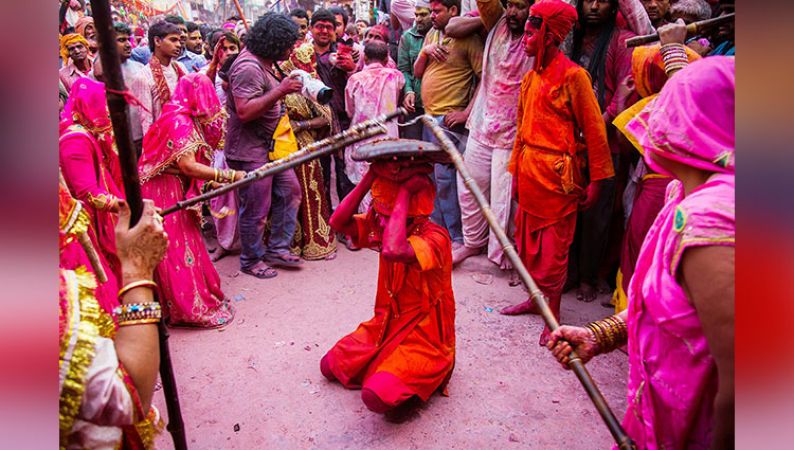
pixel 378 33
pixel 657 11
pixel 556 103
pixel 407 52
pixel 449 69
pixel 492 127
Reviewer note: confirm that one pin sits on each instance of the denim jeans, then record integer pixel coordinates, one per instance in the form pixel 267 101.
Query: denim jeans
pixel 284 192
pixel 446 210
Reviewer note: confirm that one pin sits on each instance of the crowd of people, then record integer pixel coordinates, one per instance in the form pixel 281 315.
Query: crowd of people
pixel 611 169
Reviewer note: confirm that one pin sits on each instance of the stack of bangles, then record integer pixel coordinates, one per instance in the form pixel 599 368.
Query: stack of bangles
pixel 223 175
pixel 674 57
pixel 137 313
pixel 610 333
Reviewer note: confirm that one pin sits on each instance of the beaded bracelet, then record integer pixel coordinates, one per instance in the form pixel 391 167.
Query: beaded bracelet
pixel 138 313
pixel 135 284
pixel 610 333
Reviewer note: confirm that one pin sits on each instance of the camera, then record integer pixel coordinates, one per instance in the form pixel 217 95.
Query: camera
pixel 313 88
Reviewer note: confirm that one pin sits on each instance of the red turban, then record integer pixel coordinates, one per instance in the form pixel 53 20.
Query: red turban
pixel 558 20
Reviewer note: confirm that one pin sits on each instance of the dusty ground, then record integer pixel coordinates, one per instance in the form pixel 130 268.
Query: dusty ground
pixel 257 383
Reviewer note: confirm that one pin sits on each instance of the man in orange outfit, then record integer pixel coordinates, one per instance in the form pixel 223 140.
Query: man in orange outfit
pixel 407 350
pixel 556 106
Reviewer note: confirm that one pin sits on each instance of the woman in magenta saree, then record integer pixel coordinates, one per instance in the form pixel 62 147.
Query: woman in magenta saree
pixel 680 316
pixel 90 168
pixel 175 165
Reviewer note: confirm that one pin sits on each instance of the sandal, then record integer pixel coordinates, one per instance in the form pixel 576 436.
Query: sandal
pixel 260 272
pixel 283 260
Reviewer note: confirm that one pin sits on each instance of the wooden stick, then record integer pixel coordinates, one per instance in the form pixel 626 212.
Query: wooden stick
pixel 242 15
pixel 128 160
pixel 618 433
pixel 692 29
pixel 356 133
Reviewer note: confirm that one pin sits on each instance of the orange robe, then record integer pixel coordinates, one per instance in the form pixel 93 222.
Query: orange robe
pixel 555 106
pixel 408 347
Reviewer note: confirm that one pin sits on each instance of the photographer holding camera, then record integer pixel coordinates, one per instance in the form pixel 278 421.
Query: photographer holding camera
pixel 254 101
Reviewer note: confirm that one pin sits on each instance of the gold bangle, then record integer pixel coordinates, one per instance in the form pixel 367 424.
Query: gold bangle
pixel 142 283
pixel 217 173
pixel 127 323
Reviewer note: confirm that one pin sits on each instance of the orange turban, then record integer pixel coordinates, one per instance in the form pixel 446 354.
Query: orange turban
pixel 558 20
pixel 384 193
pixel 647 68
pixel 68 40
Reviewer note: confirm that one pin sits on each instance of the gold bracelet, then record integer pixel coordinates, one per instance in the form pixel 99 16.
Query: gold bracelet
pixel 217 174
pixel 135 284
pixel 127 323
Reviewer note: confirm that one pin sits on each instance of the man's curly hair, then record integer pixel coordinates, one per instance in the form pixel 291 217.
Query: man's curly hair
pixel 271 36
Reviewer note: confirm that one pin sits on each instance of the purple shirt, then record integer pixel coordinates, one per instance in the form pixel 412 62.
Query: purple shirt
pixel 250 141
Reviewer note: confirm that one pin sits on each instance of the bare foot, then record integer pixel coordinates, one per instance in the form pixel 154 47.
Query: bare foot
pixel 462 252
pixel 603 287
pixel 528 307
pixel 222 253
pixel 514 280
pixel 586 293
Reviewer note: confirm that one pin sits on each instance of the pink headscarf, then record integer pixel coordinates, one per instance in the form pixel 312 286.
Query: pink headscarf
pixel 193 121
pixel 692 120
pixel 87 107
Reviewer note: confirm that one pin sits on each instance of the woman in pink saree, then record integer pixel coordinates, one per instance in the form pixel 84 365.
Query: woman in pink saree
pixel 680 316
pixel 90 167
pixel 174 166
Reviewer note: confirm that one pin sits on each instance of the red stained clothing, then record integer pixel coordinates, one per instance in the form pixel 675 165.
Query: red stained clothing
pixel 544 252
pixel 408 347
pixel 554 107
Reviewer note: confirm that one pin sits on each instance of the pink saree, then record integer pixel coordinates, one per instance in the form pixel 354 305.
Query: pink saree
pixel 192 122
pixel 91 170
pixel 672 376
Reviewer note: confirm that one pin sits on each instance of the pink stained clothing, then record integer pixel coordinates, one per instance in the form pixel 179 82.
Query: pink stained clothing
pixel 89 163
pixel 69 74
pixel 492 121
pixel 390 64
pixel 672 376
pixel 189 285
pixel 369 93
pixel 704 137
pixel 225 210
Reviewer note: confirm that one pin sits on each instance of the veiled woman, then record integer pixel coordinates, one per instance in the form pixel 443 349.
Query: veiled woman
pixel 175 165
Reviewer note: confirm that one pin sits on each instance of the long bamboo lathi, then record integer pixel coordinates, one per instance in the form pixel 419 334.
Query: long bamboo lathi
pixel 356 133
pixel 691 30
pixel 128 160
pixel 576 364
